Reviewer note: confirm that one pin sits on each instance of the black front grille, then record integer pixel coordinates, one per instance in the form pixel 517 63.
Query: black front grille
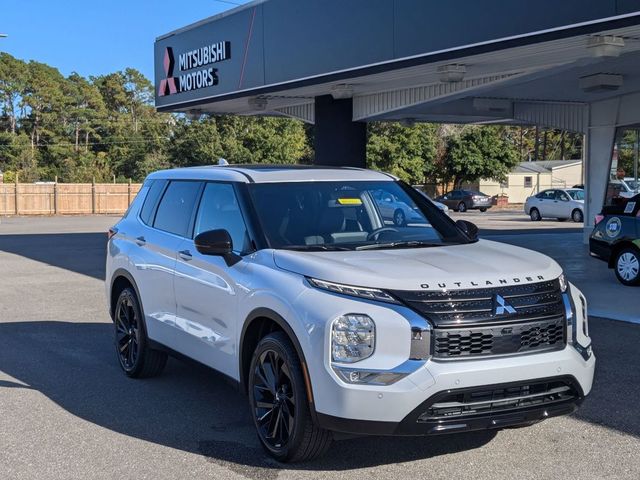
pixel 496 399
pixel 499 340
pixel 478 306
pixel 483 322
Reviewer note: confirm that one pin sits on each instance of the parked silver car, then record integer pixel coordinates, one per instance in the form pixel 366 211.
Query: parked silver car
pixel 562 204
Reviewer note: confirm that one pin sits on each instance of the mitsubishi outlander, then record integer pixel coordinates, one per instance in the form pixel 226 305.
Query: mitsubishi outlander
pixel 333 317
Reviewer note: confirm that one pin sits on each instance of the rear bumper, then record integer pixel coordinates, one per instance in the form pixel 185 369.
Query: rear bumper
pixel 477 205
pixel 414 425
pixel 600 249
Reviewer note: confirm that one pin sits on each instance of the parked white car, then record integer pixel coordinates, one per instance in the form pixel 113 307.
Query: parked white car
pixel 562 204
pixel 290 282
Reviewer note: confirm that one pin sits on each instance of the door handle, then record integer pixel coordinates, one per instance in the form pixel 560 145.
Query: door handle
pixel 185 255
pixel 141 241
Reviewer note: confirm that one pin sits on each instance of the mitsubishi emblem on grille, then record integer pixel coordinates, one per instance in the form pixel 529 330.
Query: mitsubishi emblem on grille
pixel 501 307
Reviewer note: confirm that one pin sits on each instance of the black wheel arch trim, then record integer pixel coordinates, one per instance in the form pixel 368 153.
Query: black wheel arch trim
pixel 121 272
pixel 275 317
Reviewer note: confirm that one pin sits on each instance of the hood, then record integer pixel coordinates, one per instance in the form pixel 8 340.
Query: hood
pixel 481 264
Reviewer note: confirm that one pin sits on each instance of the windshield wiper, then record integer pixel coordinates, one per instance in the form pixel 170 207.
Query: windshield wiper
pixel 404 244
pixel 316 248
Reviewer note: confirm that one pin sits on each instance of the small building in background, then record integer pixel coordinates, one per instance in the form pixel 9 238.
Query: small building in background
pixel 529 178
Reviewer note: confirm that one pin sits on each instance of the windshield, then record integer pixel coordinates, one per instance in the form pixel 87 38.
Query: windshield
pixel 350 215
pixel 576 194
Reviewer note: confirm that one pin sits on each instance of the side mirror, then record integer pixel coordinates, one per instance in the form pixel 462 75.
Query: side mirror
pixel 470 229
pixel 217 242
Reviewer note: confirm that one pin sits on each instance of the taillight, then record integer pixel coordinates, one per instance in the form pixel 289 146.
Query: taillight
pixel 599 218
pixel 112 231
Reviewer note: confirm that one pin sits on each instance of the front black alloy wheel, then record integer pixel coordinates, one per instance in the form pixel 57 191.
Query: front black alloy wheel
pixel 136 358
pixel 275 402
pixel 279 403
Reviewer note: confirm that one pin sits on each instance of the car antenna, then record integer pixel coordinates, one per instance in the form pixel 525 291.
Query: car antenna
pixel 222 162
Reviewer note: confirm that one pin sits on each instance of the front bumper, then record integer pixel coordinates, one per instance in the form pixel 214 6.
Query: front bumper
pixel 492 414
pixel 387 409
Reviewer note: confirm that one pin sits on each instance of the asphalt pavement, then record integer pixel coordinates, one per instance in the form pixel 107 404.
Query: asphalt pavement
pixel 67 412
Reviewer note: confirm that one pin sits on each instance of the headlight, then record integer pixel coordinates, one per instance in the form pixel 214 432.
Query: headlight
pixel 353 338
pixel 362 292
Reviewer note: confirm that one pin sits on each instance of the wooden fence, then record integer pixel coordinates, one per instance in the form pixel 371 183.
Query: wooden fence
pixel 66 198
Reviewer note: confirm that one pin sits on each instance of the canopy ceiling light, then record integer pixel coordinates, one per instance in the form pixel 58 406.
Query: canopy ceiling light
pixel 602 46
pixel 258 103
pixel 454 72
pixel 601 82
pixel 342 91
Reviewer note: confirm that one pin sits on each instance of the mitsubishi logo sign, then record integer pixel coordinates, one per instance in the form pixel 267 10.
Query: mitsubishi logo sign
pixel 168 85
pixel 194 68
pixel 501 307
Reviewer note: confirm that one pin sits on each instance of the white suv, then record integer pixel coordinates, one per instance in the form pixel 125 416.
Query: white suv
pixel 290 281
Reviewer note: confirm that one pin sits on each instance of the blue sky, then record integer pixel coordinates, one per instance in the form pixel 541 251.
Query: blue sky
pixel 94 37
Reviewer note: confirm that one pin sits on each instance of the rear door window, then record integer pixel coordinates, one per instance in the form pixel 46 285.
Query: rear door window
pixel 177 207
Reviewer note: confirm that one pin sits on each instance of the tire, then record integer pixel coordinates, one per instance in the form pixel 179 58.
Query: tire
pixel 279 392
pixel 577 216
pixel 462 207
pixel 483 210
pixel 136 358
pixel 399 218
pixel 627 266
pixel 534 214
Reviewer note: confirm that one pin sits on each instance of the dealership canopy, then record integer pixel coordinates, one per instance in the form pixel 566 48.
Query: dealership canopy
pixel 571 65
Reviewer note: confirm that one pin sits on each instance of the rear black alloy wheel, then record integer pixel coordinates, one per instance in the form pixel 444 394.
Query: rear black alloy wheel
pixel 279 403
pixel 127 332
pixel 462 207
pixel 136 358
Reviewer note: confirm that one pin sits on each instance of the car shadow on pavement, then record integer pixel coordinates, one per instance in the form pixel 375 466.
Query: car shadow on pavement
pixel 193 409
pixel 77 252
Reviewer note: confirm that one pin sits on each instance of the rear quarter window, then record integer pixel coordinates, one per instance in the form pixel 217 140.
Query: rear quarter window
pixel 156 187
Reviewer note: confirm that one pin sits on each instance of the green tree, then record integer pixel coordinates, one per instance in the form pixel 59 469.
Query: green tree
pixel 12 84
pixel 406 152
pixel 478 152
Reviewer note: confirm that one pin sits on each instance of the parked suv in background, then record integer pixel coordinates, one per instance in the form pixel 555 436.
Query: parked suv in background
pixel 463 200
pixel 291 282
pixel 556 203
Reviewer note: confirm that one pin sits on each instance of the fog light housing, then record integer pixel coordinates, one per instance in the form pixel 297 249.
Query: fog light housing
pixel 368 377
pixel 353 338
